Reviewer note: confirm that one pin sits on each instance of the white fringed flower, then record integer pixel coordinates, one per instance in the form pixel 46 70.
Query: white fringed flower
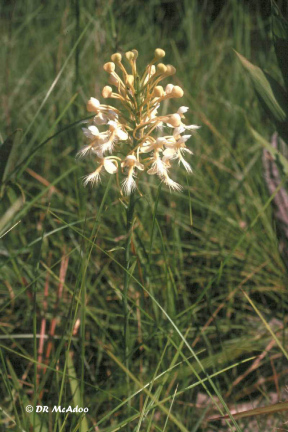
pixel 128 165
pixel 175 151
pixel 109 164
pixel 182 127
pixel 96 138
pixel 172 184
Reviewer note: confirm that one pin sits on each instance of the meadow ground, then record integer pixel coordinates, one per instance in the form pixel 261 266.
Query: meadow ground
pixel 207 300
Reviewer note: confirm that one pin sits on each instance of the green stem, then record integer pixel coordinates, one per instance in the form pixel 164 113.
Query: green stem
pixel 129 224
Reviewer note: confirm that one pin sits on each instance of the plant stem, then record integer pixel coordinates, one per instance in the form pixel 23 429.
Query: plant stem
pixel 129 224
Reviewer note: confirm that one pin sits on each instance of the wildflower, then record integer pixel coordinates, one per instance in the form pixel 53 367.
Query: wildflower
pixel 171 183
pixel 182 126
pixel 176 149
pixel 96 138
pixel 137 135
pixel 130 163
pixel 109 164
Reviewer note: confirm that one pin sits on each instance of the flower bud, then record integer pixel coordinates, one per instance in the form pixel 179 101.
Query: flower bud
pixel 93 105
pixel 174 120
pixel 171 70
pixel 159 53
pixel 161 68
pixel 177 92
pixel 107 92
pixel 116 58
pixel 129 55
pixel 135 52
pixel 169 88
pixel 158 91
pixel 109 67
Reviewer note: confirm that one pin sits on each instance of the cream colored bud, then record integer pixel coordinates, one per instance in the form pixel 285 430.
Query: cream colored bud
pixel 171 70
pixel 159 53
pixel 129 55
pixel 130 80
pixel 107 92
pixel 93 105
pixel 116 58
pixel 161 68
pixel 174 120
pixel 109 67
pixel 135 52
pixel 177 92
pixel 158 91
pixel 169 88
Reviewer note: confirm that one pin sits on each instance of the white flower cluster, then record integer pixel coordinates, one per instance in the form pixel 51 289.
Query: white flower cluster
pixel 132 140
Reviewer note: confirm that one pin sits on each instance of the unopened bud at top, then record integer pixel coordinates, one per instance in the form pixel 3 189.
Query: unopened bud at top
pixel 158 91
pixel 171 70
pixel 177 92
pixel 161 68
pixel 109 67
pixel 129 55
pixel 116 58
pixel 107 92
pixel 135 52
pixel 159 53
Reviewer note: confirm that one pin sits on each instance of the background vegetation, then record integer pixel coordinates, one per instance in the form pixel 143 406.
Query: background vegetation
pixel 208 299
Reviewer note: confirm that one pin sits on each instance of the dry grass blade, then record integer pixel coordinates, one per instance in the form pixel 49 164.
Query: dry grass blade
pixel 270 409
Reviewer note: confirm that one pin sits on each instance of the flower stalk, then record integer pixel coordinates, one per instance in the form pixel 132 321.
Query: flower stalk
pixel 129 230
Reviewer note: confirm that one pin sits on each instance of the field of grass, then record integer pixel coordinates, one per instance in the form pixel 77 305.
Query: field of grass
pixel 207 299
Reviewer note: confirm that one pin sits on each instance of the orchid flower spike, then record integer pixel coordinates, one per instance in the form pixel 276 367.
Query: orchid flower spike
pixel 136 137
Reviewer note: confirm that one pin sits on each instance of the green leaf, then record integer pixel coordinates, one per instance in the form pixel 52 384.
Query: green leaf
pixel 36 422
pixel 75 390
pixel 271 94
pixel 280 36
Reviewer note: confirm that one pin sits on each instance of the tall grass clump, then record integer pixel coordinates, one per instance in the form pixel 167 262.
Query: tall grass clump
pixel 203 302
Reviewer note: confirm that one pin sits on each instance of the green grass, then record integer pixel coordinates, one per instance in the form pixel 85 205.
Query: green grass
pixel 192 330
